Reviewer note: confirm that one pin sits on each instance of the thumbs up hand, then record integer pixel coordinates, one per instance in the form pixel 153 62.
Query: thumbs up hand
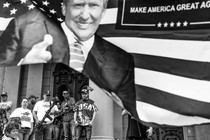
pixel 38 53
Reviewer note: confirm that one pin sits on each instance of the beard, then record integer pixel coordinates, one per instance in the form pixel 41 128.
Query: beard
pixel 33 102
pixel 85 99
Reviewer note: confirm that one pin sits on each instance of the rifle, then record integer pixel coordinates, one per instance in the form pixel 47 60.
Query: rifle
pixel 39 126
pixel 68 107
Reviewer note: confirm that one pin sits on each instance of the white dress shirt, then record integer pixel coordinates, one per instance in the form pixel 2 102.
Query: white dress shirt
pixel 87 45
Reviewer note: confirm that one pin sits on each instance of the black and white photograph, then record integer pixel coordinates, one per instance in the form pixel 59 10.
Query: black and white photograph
pixel 104 70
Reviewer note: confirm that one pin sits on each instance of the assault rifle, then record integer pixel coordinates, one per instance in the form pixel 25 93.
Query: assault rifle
pixel 39 126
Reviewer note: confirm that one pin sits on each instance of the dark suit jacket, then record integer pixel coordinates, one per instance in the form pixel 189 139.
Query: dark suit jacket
pixel 110 67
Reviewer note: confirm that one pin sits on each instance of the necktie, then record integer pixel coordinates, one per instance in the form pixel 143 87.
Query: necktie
pixel 77 58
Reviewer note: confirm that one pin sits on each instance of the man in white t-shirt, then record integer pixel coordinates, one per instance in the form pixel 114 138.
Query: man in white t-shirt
pixel 26 119
pixel 39 111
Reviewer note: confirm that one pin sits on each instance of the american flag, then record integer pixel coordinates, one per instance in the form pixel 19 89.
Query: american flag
pixel 11 8
pixel 171 75
pixel 14 8
pixel 171 71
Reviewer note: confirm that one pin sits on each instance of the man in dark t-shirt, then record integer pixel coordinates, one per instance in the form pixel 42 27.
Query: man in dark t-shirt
pixel 67 107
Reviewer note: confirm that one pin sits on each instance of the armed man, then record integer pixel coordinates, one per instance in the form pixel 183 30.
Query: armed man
pixel 44 112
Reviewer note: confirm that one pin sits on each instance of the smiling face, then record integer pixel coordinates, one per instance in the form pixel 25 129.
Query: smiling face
pixel 82 17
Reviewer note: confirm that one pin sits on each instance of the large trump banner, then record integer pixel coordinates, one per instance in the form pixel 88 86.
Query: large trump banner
pixel 169 41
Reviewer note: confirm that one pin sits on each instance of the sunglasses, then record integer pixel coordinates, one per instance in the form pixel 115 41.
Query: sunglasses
pixel 3 95
pixel 65 93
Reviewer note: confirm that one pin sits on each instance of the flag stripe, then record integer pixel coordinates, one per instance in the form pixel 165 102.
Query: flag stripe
pixel 153 114
pixel 190 69
pixel 111 16
pixel 181 86
pixel 109 30
pixel 179 49
pixel 159 98
pixel 4 22
pixel 112 4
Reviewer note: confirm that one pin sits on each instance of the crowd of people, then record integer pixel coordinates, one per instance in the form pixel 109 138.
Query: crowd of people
pixel 49 118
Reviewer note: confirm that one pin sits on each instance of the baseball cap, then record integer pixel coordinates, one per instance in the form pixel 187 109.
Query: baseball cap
pixel 32 96
pixel 86 89
pixel 47 93
pixel 4 94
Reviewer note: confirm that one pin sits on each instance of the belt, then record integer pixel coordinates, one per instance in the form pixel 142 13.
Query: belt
pixel 25 128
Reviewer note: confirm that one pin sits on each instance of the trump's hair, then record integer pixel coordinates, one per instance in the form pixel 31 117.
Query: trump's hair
pixel 105 2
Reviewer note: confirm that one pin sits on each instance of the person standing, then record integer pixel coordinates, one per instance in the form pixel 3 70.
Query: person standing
pixel 32 99
pixel 26 119
pixel 57 124
pixel 39 111
pixel 68 116
pixel 5 104
pixel 85 112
